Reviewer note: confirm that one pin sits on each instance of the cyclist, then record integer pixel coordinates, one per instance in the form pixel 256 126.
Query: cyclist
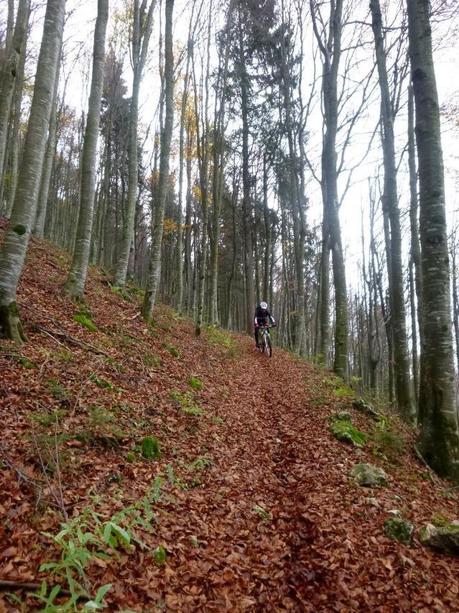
pixel 262 317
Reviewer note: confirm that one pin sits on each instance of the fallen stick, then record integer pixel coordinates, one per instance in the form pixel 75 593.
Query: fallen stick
pixel 26 585
pixel 71 339
pixel 18 585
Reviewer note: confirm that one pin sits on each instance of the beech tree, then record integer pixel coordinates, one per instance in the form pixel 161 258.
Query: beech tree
pixel 154 274
pixel 14 54
pixel 79 268
pixel 14 247
pixel 141 31
pixel 390 203
pixel 438 415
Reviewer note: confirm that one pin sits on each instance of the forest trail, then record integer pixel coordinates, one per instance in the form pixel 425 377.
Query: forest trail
pixel 256 512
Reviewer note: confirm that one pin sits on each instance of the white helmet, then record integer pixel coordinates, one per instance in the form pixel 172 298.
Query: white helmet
pixel 263 305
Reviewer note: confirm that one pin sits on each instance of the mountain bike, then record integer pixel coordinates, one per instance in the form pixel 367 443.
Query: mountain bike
pixel 265 342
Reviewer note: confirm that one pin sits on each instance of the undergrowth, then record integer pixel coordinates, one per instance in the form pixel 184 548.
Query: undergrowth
pixel 84 539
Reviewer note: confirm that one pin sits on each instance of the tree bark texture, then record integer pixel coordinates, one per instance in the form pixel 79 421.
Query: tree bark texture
pixel 438 416
pixel 79 269
pixel 9 71
pixel 142 27
pixel 154 275
pixel 14 247
pixel 390 196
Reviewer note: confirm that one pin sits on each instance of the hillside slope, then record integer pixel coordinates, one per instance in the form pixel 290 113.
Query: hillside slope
pixel 247 505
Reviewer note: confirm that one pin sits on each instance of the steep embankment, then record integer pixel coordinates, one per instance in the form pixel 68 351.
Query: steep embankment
pixel 255 510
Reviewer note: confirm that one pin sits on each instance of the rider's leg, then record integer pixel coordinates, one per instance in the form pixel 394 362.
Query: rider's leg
pixel 256 337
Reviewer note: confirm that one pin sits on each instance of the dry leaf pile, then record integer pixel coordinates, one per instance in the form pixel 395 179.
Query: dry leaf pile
pixel 257 511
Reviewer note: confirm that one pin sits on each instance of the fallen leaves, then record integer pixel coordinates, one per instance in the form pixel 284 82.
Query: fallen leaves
pixel 315 544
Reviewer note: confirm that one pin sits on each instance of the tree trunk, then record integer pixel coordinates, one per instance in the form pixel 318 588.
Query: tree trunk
pixel 415 246
pixel 390 197
pixel 163 188
pixel 43 194
pixel 79 269
pixel 246 202
pixel 331 54
pixel 14 247
pixel 9 71
pixel 438 417
pixel 140 40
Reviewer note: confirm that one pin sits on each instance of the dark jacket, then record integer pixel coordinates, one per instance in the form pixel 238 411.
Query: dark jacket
pixel 263 316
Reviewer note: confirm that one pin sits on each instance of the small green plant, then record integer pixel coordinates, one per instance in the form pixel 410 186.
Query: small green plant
pixel 150 448
pixel 84 319
pixel 172 349
pixel 262 513
pixel 217 421
pixel 114 364
pixel 343 391
pixel 151 361
pixel 344 431
pixel 121 291
pixel 194 409
pixel 101 427
pixel 186 402
pixel 59 391
pixel 439 520
pixel 25 362
pixel 173 479
pixel 159 555
pixel 387 442
pixel 47 418
pixel 399 529
pixel 201 463
pixel 102 383
pixel 196 383
pixel 85 538
pixel 218 337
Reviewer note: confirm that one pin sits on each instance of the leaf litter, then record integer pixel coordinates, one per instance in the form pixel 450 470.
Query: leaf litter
pixel 270 521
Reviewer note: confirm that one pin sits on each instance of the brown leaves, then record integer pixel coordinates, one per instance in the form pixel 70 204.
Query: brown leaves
pixel 315 543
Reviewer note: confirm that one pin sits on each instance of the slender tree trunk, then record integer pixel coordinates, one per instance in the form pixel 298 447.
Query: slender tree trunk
pixel 42 206
pixel 390 196
pixel 183 120
pixel 154 275
pixel 415 246
pixel 14 138
pixel 143 24
pixel 331 54
pixel 438 416
pixel 79 269
pixel 14 50
pixel 188 221
pixel 14 247
pixel 246 201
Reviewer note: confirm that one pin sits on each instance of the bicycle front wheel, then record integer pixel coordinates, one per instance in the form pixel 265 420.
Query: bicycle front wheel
pixel 268 346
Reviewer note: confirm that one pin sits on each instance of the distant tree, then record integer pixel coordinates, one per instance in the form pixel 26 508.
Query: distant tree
pixel 154 274
pixel 141 31
pixel 78 271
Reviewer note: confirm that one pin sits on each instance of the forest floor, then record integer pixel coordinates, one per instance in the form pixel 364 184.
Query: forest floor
pixel 247 505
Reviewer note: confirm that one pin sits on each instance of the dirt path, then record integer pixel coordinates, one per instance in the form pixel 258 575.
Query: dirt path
pixel 276 525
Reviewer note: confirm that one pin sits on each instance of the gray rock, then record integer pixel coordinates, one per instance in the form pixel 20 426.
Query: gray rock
pixel 365 407
pixel 368 475
pixel 399 529
pixel 445 538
